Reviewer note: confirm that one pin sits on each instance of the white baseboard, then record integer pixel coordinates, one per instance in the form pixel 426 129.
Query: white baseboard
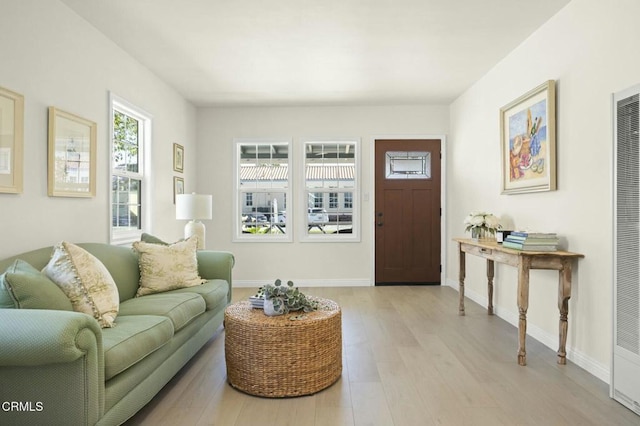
pixel 364 282
pixel 585 362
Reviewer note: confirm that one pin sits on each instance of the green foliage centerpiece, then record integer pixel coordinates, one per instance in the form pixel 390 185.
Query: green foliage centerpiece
pixel 280 299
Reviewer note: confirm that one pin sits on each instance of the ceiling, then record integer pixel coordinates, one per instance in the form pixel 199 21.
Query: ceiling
pixel 329 52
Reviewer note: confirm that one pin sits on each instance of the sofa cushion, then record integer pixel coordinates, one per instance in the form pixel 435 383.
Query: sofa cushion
pixel 133 338
pixel 214 293
pixel 24 287
pixel 164 268
pixel 85 281
pixel 179 308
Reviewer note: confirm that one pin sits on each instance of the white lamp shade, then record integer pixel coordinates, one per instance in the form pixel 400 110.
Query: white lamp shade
pixel 194 206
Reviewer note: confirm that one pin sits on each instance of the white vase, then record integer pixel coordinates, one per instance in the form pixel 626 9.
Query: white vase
pixel 269 310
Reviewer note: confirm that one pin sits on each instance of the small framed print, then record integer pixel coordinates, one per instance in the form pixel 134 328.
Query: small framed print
pixel 11 141
pixel 178 187
pixel 72 155
pixel 178 158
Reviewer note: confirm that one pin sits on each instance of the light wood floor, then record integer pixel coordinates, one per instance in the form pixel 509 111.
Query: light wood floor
pixel 409 359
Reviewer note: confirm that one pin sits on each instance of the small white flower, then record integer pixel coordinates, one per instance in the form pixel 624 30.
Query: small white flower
pixel 477 220
pixel 492 222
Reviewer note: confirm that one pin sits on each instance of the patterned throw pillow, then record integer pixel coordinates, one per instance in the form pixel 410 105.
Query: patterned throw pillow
pixel 85 281
pixel 169 267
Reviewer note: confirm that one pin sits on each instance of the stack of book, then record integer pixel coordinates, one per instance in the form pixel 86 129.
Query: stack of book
pixel 533 241
pixel 256 302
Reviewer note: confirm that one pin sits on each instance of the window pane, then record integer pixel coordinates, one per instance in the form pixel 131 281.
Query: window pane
pixel 264 165
pixel 336 219
pixel 408 165
pixel 266 214
pixel 330 165
pixel 126 206
pixel 126 137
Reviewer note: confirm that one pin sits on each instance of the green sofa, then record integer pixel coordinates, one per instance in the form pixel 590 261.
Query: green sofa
pixel 58 367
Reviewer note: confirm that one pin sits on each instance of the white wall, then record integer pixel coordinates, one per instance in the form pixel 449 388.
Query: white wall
pixel 306 263
pixel 54 58
pixel 590 49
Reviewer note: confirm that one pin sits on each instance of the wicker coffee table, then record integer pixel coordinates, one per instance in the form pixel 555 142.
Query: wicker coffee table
pixel 288 355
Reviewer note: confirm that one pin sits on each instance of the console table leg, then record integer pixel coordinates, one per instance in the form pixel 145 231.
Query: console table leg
pixel 564 294
pixel 461 275
pixel 490 275
pixel 523 305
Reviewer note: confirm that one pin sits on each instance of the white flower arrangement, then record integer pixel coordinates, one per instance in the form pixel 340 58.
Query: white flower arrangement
pixel 481 224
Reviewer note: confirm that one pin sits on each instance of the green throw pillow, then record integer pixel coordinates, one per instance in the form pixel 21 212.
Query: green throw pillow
pixel 24 287
pixel 148 238
pixel 152 239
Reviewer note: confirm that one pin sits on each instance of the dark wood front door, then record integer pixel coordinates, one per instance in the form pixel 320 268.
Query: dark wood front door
pixel 407 211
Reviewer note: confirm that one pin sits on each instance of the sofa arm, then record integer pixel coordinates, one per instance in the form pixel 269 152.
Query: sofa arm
pixel 51 367
pixel 216 265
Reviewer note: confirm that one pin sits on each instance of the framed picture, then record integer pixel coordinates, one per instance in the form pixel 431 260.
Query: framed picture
pixel 11 141
pixel 528 141
pixel 178 157
pixel 72 155
pixel 178 187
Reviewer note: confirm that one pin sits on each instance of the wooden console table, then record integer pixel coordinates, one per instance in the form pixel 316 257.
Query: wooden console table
pixel 560 261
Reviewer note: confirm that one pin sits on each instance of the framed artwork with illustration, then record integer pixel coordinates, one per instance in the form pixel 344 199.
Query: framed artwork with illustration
pixel 72 155
pixel 178 187
pixel 178 157
pixel 11 141
pixel 528 141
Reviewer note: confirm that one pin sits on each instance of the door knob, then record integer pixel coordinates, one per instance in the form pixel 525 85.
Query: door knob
pixel 380 223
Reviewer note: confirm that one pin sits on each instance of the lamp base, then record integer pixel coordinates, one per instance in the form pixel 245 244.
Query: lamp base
pixel 195 228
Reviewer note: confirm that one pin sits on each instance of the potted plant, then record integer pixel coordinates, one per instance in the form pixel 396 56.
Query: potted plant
pixel 279 299
pixel 481 224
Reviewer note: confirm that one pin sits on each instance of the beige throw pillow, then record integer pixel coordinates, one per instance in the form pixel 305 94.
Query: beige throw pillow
pixel 85 281
pixel 169 267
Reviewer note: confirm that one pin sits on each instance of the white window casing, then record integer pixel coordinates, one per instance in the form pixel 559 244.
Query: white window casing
pixel 130 173
pixel 330 190
pixel 262 190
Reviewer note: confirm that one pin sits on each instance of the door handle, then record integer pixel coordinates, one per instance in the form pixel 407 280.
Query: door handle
pixel 380 223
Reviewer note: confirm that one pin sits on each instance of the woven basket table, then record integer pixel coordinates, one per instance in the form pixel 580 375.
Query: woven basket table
pixel 288 355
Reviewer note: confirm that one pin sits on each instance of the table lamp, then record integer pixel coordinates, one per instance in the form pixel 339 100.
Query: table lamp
pixel 194 207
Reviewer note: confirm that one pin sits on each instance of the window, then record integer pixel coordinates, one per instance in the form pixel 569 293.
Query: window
pixel 408 165
pixel 348 200
pixel 330 176
pixel 333 200
pixel 263 182
pixel 130 131
pixel 317 200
